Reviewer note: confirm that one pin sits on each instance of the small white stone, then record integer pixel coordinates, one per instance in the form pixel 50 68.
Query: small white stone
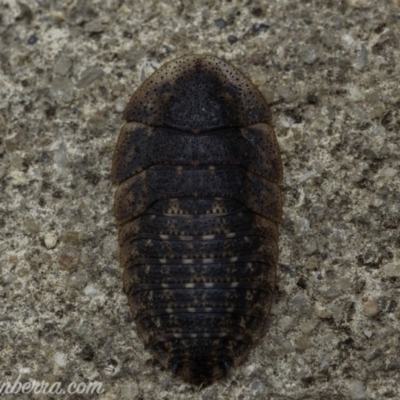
pixel 248 371
pixel 371 308
pixel 302 225
pixel 60 359
pixel 18 178
pixel 91 291
pixel 8 278
pixel 368 333
pixel 119 105
pixel 50 240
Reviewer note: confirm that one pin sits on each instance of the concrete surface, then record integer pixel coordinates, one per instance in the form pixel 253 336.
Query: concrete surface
pixel 332 69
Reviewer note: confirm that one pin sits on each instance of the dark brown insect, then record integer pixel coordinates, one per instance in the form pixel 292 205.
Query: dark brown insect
pixel 198 201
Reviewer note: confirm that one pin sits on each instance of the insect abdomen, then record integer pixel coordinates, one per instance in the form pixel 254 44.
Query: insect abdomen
pixel 198 202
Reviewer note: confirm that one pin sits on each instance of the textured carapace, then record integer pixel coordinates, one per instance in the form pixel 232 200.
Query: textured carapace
pixel 198 201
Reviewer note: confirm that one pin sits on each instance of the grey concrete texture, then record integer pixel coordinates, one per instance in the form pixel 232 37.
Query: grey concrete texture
pixel 331 70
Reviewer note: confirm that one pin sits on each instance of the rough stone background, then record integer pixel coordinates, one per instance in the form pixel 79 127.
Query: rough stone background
pixel 332 70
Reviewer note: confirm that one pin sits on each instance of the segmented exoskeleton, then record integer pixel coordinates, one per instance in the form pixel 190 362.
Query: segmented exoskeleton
pixel 198 201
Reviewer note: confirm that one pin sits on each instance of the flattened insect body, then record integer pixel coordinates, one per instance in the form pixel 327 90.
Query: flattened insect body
pixel 198 201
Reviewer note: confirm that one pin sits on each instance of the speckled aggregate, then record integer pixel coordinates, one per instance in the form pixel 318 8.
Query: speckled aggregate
pixel 337 123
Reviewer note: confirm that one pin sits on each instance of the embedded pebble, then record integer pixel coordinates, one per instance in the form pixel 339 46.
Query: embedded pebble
pixel 284 343
pixel 308 326
pixel 324 363
pixel 390 173
pixel 117 90
pixel 332 293
pixel 119 105
pixel 309 55
pixel 4 318
pixel 373 355
pixel 61 89
pixel 25 370
pixel 249 370
pixel 302 225
pixel 392 306
pixel 393 364
pixel 84 330
pixel 148 388
pixel 61 158
pixel 5 293
pixel 69 257
pixel 362 58
pixel 220 23
pixel 232 39
pixel 32 39
pixel 367 333
pixel 72 238
pixel 58 16
pixel 337 312
pixel 372 97
pixel 311 247
pixel 13 259
pixel 77 279
pixel 328 39
pixel 32 226
pixel 305 15
pixel 129 391
pixel 371 308
pixel 17 162
pixel 310 144
pixel 260 80
pixel 89 76
pixel 392 270
pixel 257 28
pixel 377 111
pixel 359 114
pixel 318 212
pixel 8 278
pixel 13 141
pixel 91 291
pixel 258 388
pixel 286 323
pixel 110 246
pixel 94 27
pixel 62 65
pixel 300 304
pixel 3 171
pixel 268 94
pixel 60 359
pixel 301 343
pixel 357 3
pixel 50 240
pixel 287 94
pixel 357 390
